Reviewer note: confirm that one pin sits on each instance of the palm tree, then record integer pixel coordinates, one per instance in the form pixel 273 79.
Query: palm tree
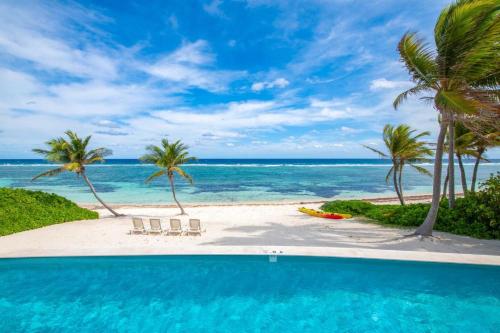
pixel 73 156
pixel 403 148
pixel 464 141
pixel 481 143
pixel 462 74
pixel 169 158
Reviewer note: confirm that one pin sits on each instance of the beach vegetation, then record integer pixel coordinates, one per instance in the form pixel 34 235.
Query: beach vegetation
pixel 169 157
pixel 72 155
pixel 22 210
pixel 404 148
pixel 460 77
pixel 476 215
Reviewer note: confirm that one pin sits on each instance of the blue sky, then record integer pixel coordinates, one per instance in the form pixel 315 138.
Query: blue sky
pixel 230 78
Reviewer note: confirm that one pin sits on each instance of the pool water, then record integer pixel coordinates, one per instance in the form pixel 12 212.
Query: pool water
pixel 245 294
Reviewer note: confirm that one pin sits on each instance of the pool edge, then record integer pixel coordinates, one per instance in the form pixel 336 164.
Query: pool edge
pixel 420 256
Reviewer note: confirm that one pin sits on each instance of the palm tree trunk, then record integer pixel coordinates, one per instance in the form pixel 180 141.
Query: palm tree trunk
pixel 401 184
pixel 96 196
pixel 462 173
pixel 425 228
pixel 476 167
pixel 172 186
pixel 445 186
pixel 451 161
pixel 395 181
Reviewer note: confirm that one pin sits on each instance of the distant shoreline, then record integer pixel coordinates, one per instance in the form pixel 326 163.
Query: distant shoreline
pixel 423 198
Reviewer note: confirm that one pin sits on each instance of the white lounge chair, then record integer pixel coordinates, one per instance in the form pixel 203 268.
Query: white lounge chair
pixel 155 227
pixel 175 227
pixel 194 227
pixel 138 226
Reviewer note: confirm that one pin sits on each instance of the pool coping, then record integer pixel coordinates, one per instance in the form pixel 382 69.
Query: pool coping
pixel 398 255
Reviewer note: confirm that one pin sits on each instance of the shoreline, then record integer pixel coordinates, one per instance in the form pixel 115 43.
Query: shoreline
pixel 422 198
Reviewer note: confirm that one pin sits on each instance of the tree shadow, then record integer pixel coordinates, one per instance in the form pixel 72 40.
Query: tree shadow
pixel 315 234
pixel 341 234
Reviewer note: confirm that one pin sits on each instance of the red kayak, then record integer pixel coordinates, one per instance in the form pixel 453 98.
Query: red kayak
pixel 331 216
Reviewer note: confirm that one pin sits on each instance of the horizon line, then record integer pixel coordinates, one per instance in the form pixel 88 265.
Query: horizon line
pixel 258 158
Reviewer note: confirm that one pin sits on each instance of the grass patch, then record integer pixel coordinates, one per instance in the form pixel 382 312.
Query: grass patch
pixel 476 215
pixel 24 210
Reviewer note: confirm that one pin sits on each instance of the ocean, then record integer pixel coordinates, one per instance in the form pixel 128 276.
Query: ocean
pixel 121 181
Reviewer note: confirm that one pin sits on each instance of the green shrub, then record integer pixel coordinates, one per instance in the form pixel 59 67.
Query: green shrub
pixel 476 215
pixel 23 210
pixel 353 207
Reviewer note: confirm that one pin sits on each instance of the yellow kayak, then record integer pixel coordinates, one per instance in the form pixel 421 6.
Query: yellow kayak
pixel 317 213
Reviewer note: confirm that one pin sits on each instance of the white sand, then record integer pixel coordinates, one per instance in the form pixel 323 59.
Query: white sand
pixel 247 229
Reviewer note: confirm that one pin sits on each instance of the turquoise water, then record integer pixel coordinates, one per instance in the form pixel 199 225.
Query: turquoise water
pixel 122 181
pixel 245 294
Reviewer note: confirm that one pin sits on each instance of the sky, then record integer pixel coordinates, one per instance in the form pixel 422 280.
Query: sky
pixel 232 79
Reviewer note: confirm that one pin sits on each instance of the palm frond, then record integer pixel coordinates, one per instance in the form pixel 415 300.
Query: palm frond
pixel 455 102
pixel 156 175
pixel 71 152
pixel 154 156
pixel 169 156
pixel 387 177
pixel 410 92
pixel 467 35
pixel 49 173
pixel 422 134
pixel 418 60
pixel 421 169
pixel 41 151
pixel 375 151
pixel 183 174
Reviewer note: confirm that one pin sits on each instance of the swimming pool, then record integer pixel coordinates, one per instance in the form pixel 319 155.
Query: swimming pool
pixel 245 294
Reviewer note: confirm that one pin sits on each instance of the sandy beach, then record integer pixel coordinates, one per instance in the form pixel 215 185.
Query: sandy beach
pixel 246 229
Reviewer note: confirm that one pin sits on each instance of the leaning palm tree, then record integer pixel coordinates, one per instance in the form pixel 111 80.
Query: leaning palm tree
pixel 73 156
pixel 462 75
pixel 403 148
pixel 169 158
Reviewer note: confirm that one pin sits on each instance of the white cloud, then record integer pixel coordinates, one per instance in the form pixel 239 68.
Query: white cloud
pixel 383 83
pixel 32 35
pixel 258 86
pixel 91 98
pixel 213 8
pixel 222 135
pixel 112 132
pixel 107 123
pixel 279 83
pixel 347 129
pixel 17 89
pixel 191 65
pixel 222 121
